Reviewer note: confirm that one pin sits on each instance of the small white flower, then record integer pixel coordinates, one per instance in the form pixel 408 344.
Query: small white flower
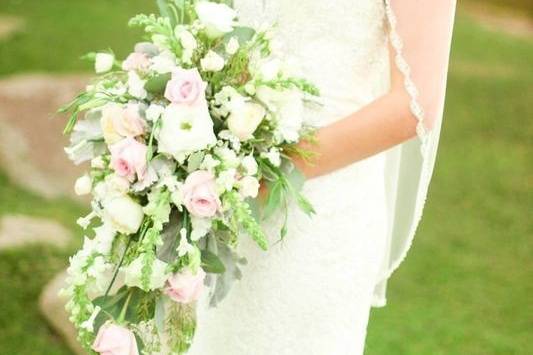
pixel 200 227
pixel 232 46
pixel 83 185
pixel 84 222
pixel 164 63
pixel 212 62
pixel 186 57
pixel 273 156
pixel 136 86
pixel 98 163
pixel 217 18
pixel 250 88
pixel 209 163
pixel 186 38
pixel 154 112
pixel 228 157
pixel 226 179
pixel 89 323
pixel 270 69
pixel 177 198
pixel 105 235
pixel 248 186
pixel 184 247
pixel 103 62
pixel 249 164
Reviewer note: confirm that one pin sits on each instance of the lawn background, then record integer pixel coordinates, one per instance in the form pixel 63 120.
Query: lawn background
pixel 466 286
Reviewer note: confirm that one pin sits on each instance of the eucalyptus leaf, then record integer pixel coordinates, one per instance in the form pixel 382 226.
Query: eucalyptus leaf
pixel 242 33
pixel 157 84
pixel 211 263
pixel 194 161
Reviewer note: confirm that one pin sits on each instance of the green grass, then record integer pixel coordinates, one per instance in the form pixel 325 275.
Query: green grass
pixel 465 288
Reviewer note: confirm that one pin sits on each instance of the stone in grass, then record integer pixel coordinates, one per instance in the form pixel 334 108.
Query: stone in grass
pixel 52 306
pixel 20 230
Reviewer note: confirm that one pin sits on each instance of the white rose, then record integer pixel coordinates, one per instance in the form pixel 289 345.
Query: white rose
pixel 154 111
pixel 123 214
pixel 103 62
pixel 83 185
pixel 133 274
pixel 186 38
pixel 217 18
pixel 212 62
pixel 185 129
pixel 289 110
pixel 248 186
pixel 136 86
pixel 244 120
pixel 116 185
pixel 249 164
pixel 232 46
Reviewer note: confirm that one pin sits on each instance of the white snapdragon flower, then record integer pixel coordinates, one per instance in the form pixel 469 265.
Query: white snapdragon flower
pixel 273 156
pixel 104 237
pixel 185 129
pixel 200 227
pixel 232 46
pixel 209 163
pixel 89 323
pixel 98 163
pixel 226 179
pixel 158 277
pixel 136 86
pixel 212 62
pixel 249 164
pixel 186 38
pixel 288 108
pixel 103 62
pixel 177 198
pixel 248 187
pixel 244 120
pixel 184 246
pixel 123 214
pixel 228 157
pixel 83 185
pixel 84 222
pixel 154 112
pixel 218 19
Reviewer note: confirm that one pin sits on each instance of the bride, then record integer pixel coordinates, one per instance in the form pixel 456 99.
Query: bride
pixel 381 67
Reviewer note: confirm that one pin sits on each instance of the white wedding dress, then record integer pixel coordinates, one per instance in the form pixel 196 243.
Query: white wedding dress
pixel 312 293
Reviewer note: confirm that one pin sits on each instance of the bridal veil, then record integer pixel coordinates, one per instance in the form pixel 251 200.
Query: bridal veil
pixel 420 34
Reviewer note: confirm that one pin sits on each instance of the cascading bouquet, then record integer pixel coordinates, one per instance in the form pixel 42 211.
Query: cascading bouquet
pixel 180 135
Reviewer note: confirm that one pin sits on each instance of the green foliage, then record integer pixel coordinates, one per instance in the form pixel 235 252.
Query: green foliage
pixel 242 218
pixel 212 263
pixel 181 323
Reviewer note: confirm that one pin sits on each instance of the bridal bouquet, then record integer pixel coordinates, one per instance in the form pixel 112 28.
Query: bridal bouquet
pixel 179 136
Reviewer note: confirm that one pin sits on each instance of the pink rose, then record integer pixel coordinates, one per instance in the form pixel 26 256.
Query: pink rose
pixel 136 61
pixel 128 158
pixel 200 195
pixel 186 287
pixel 113 339
pixel 129 123
pixel 186 87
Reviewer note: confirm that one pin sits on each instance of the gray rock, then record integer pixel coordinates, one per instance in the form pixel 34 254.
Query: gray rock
pixel 19 230
pixel 52 306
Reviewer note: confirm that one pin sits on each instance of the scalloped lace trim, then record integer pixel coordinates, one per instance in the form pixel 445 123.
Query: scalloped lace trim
pixel 405 69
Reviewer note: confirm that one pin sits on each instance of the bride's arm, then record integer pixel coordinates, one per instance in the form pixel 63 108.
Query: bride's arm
pixel 382 124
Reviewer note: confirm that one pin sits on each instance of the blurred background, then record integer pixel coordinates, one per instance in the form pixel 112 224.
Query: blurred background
pixel 466 287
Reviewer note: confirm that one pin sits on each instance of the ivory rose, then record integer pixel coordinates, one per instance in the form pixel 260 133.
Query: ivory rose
pixel 200 194
pixel 129 123
pixel 186 287
pixel 123 214
pixel 186 87
pixel 113 339
pixel 244 120
pixel 128 158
